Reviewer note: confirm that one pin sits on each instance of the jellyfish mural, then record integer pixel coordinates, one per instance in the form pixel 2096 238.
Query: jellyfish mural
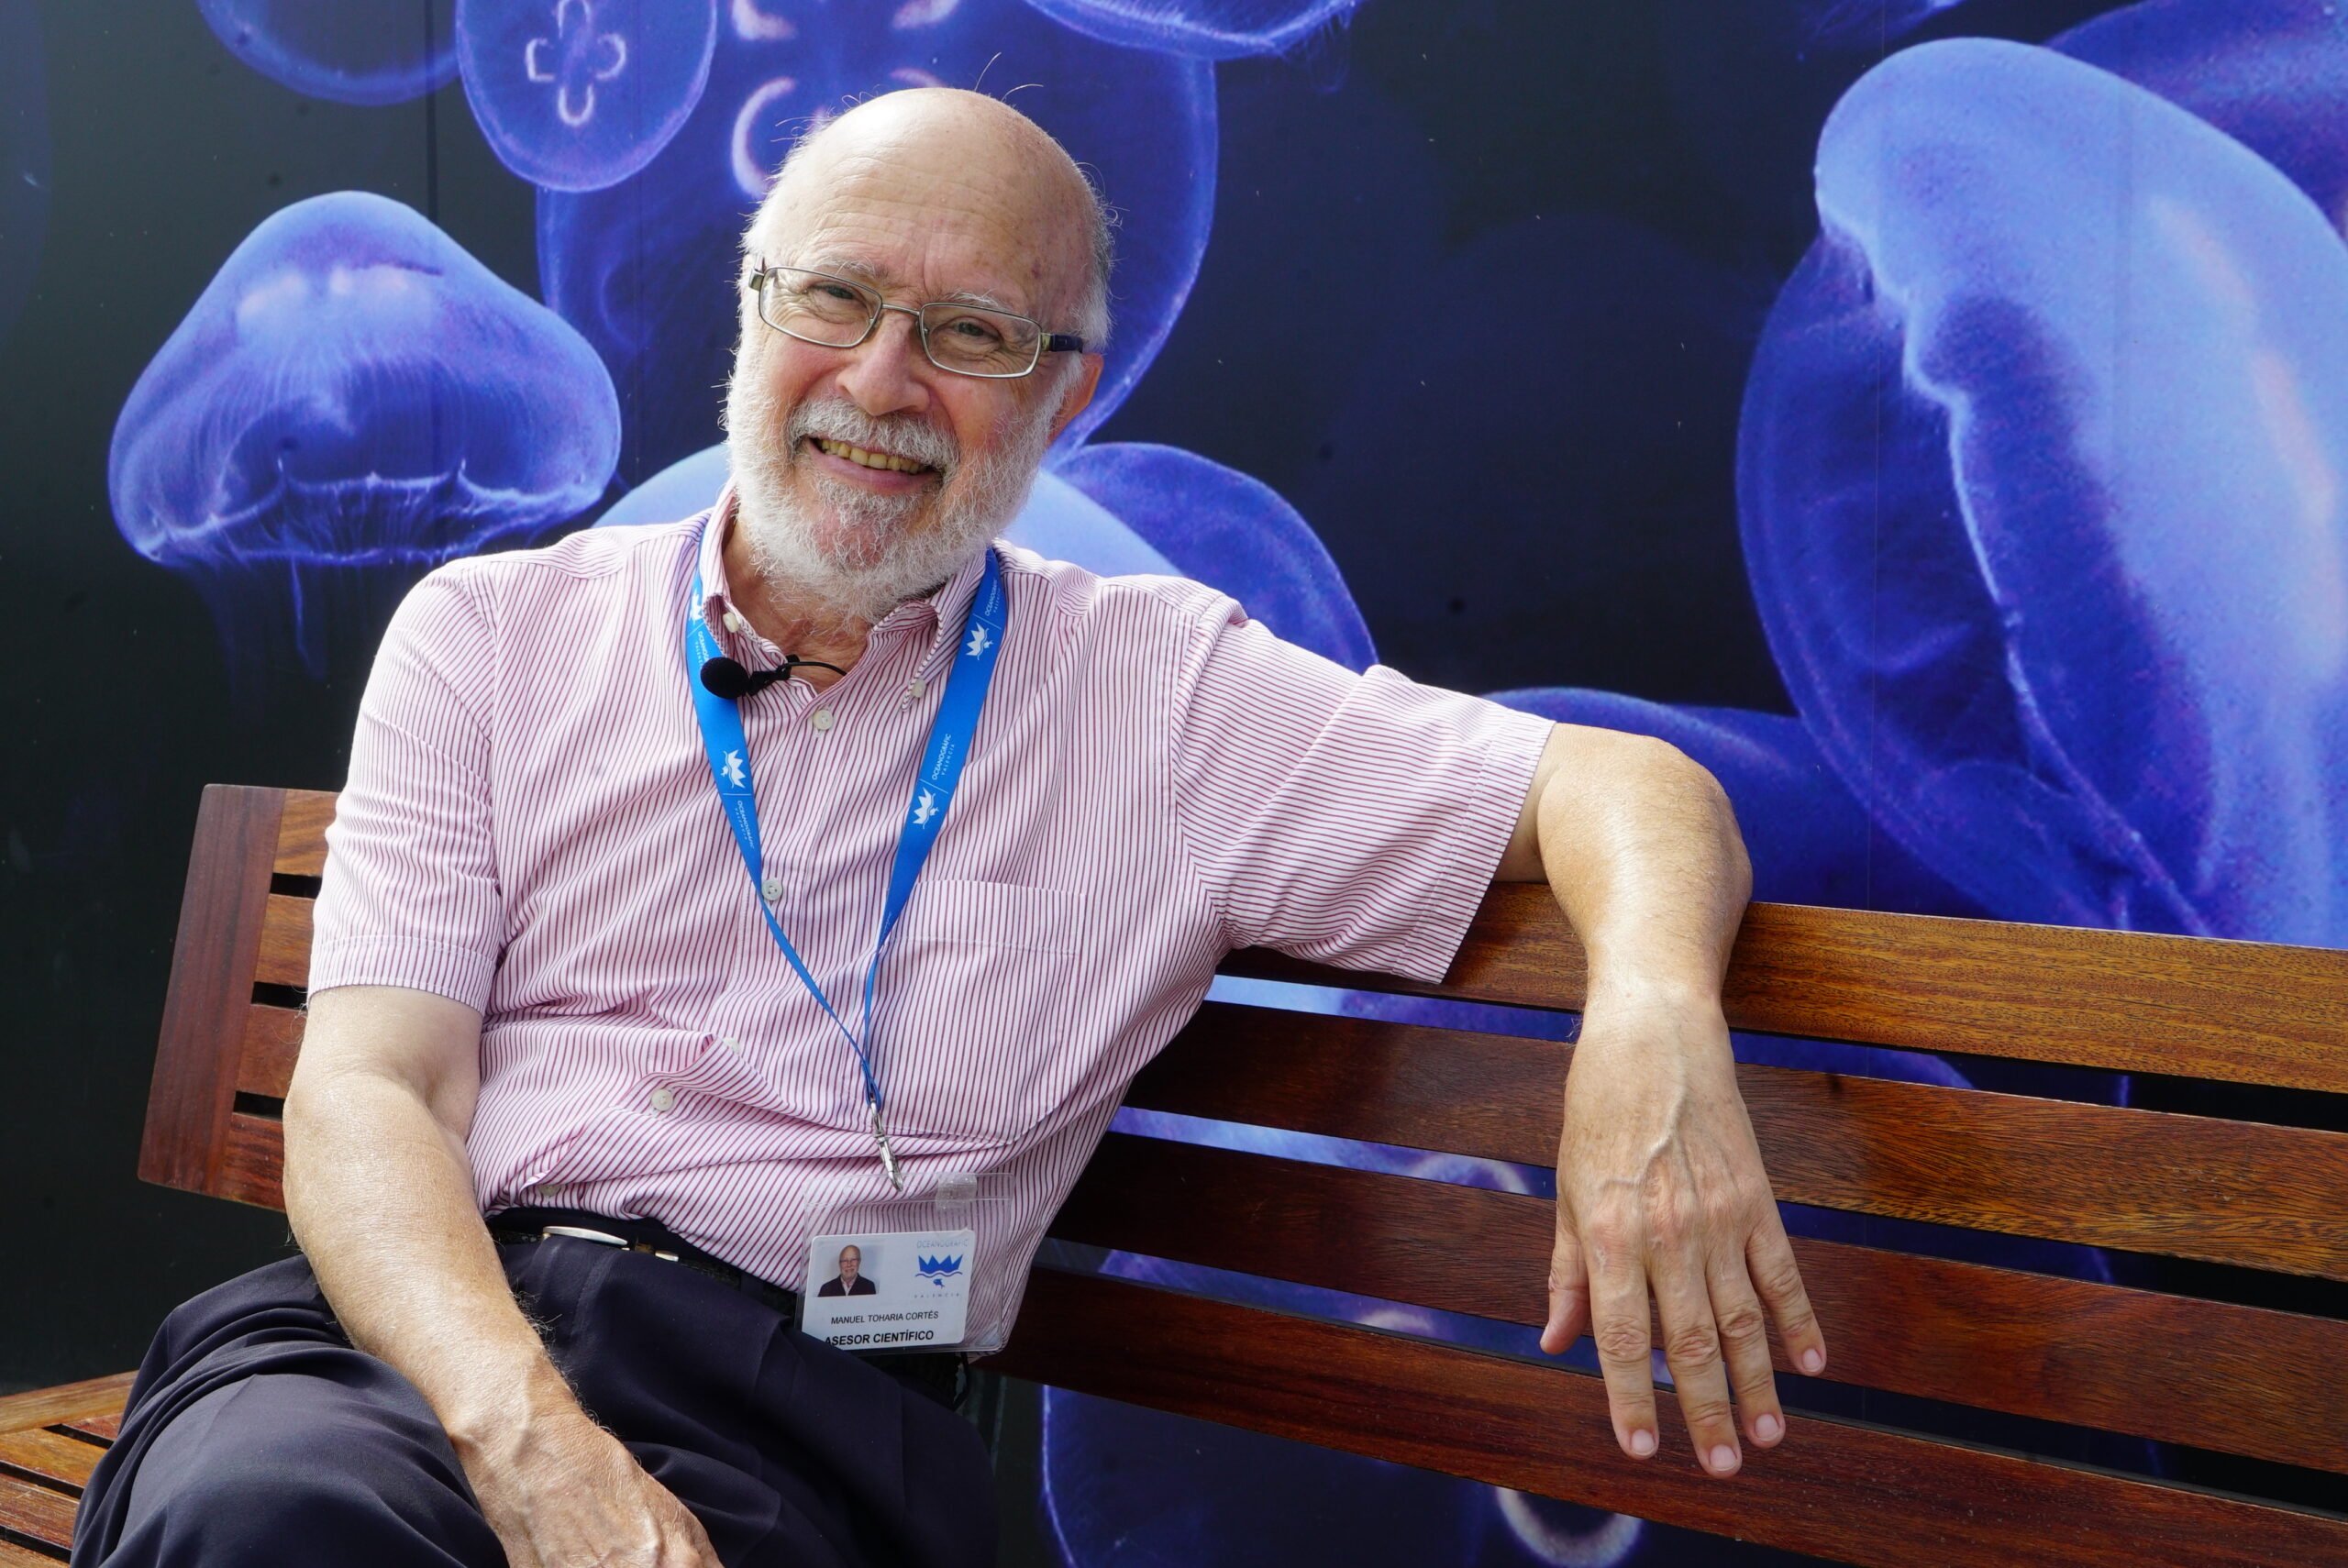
pixel 2075 357
pixel 352 390
pixel 24 155
pixel 2273 76
pixel 577 95
pixel 354 52
pixel 1131 507
pixel 646 269
pixel 1868 24
pixel 1059 520
pixel 1206 30
pixel 1225 528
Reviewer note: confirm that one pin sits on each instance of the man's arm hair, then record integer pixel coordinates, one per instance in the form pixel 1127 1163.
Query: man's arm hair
pixel 1640 844
pixel 381 1197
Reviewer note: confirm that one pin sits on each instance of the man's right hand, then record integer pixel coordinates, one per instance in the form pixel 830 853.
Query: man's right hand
pixel 381 1200
pixel 560 1490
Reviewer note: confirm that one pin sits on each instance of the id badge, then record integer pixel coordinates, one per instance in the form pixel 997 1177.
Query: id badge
pixel 889 1290
pixel 894 1274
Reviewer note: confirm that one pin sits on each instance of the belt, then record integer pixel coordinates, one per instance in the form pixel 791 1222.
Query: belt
pixel 942 1375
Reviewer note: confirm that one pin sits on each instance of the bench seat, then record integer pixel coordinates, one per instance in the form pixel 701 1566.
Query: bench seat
pixel 1957 1370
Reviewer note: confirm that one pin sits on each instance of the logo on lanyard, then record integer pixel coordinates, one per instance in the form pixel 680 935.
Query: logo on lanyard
pixel 943 756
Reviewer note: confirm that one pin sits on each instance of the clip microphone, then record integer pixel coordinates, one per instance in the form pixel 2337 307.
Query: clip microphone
pixel 725 677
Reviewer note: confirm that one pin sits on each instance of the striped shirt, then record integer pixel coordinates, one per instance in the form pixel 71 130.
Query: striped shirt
pixel 530 829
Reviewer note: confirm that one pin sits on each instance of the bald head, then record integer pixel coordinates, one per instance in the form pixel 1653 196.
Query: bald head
pixel 893 152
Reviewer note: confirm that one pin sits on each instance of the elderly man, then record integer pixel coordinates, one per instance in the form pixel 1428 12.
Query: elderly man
pixel 683 914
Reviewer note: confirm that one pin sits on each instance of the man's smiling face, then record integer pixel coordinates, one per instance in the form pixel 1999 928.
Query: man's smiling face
pixel 868 473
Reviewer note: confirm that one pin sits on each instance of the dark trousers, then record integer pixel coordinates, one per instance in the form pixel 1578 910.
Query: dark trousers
pixel 256 1435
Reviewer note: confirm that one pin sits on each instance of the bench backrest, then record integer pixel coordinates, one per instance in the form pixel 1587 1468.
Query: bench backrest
pixel 2250 1391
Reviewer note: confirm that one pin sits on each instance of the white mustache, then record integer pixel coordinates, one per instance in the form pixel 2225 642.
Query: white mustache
pixel 901 435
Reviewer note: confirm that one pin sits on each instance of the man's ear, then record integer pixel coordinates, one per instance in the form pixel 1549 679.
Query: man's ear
pixel 1079 394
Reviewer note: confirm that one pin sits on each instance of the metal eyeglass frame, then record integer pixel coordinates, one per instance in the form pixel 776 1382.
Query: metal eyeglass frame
pixel 1045 342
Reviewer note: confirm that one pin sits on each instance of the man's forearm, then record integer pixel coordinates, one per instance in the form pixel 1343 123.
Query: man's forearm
pixel 1641 847
pixel 381 1198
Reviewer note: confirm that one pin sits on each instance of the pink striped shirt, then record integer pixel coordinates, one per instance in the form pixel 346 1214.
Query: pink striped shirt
pixel 529 828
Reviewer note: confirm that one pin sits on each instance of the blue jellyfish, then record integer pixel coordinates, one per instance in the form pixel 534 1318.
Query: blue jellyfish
pixel 1124 508
pixel 2075 360
pixel 577 95
pixel 1810 840
pixel 24 155
pixel 1204 29
pixel 2273 76
pixel 1059 520
pixel 353 398
pixel 354 52
pixel 646 269
pixel 1233 532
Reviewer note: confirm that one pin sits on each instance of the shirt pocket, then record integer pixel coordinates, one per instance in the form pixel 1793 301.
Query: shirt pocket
pixel 976 1043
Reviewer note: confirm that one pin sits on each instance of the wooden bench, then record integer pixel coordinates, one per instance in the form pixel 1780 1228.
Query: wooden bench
pixel 2251 1390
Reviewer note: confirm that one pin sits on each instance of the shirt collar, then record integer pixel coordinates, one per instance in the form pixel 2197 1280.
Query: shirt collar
pixel 932 613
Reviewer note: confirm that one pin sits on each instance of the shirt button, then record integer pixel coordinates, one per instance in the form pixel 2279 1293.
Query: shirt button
pixel 771 890
pixel 548 1192
pixel 821 718
pixel 733 623
pixel 664 1099
pixel 915 687
pixel 732 1042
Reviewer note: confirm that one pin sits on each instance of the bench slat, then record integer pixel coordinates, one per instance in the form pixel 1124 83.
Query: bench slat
pixel 284 955
pixel 2190 1187
pixel 252 1161
pixel 47 1407
pixel 210 985
pixel 39 1513
pixel 2175 1369
pixel 14 1556
pixel 61 1460
pixel 302 832
pixel 1835 1489
pixel 272 1042
pixel 2245 1012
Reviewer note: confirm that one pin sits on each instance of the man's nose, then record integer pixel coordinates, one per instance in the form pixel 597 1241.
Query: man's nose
pixel 888 372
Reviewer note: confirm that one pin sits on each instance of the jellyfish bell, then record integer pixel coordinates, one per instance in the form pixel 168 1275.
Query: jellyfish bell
pixel 1203 29
pixel 2273 76
pixel 1231 531
pixel 647 268
pixel 352 399
pixel 581 93
pixel 1059 522
pixel 354 52
pixel 2073 358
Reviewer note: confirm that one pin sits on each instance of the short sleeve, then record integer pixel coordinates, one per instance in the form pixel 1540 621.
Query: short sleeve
pixel 1353 820
pixel 411 894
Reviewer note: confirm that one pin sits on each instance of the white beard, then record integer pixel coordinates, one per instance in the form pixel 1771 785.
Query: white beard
pixel 858 553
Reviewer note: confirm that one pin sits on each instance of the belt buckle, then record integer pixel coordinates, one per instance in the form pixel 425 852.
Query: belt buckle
pixel 581 1233
pixel 605 1239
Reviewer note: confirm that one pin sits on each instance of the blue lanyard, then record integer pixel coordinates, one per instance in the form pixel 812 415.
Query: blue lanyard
pixel 947 749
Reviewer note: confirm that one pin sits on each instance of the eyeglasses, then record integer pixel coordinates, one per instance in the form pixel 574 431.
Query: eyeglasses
pixel 968 341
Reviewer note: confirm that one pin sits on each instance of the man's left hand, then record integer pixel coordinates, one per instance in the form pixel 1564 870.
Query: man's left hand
pixel 1661 1193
